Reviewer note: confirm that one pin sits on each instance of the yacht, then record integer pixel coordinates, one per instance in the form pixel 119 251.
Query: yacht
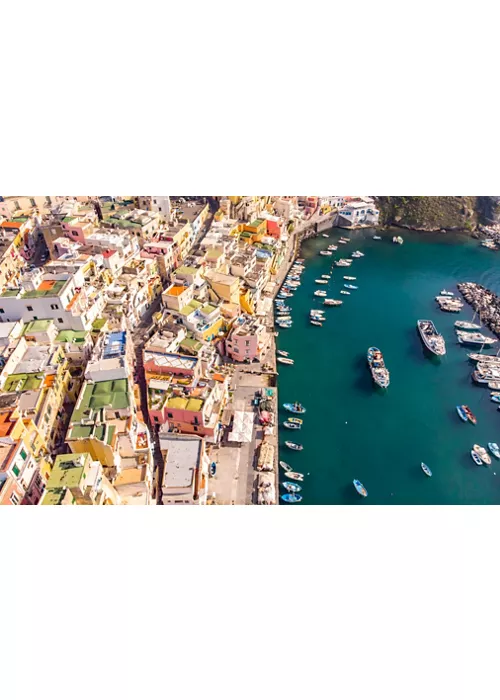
pixel 432 340
pixel 467 326
pixel 465 338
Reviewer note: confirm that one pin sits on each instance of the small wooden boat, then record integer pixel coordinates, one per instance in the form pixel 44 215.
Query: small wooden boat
pixel 285 466
pixel 325 252
pixel 285 360
pixel 342 291
pixel 296 476
pixel 326 277
pixel 426 469
pixel 462 413
pixel 294 446
pixel 477 459
pixel 349 278
pixel 283 353
pixel 291 426
pixel 321 281
pixel 291 487
pixel 332 302
pixel 350 286
pixel 291 497
pixel 494 449
pixel 360 488
pixel 470 415
pixel 482 453
pixel 320 293
pixel 495 398
pixel 316 323
pixel 298 421
pixel 294 407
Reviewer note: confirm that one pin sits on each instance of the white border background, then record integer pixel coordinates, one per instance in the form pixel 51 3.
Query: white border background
pixel 354 98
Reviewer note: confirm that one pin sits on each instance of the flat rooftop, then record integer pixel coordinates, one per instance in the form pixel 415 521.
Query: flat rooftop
pixel 182 457
pixel 67 471
pixel 112 394
pixel 182 362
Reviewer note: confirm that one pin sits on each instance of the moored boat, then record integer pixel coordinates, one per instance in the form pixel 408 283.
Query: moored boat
pixel 477 459
pixel 343 291
pixel 291 487
pixel 320 281
pixel 296 476
pixel 465 338
pixel 291 497
pixel 298 421
pixel 349 278
pixel 468 326
pixel 482 453
pixel 285 466
pixel 360 488
pixel 446 293
pixel 379 371
pixel 494 449
pixel 462 413
pixel 332 302
pixel 377 238
pixel 470 415
pixel 294 407
pixel 326 277
pixel 291 426
pixel 316 323
pixel 426 469
pixel 350 286
pixel 432 340
pixel 294 446
pixel 320 293
pixel 283 353
pixel 285 360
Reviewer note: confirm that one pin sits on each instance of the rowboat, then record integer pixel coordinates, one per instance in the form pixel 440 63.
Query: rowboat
pixel 349 278
pixel 342 291
pixel 316 323
pixel 494 449
pixel 291 497
pixel 285 466
pixel 426 469
pixel 321 281
pixel 470 415
pixel 291 426
pixel 285 360
pixel 462 413
pixel 294 446
pixel 350 286
pixel 296 476
pixel 283 353
pixel 332 302
pixel 477 459
pixel 294 407
pixel 360 488
pixel 298 421
pixel 326 277
pixel 290 486
pixel 482 453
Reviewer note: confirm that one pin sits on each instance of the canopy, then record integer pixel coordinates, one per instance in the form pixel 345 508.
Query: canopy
pixel 242 426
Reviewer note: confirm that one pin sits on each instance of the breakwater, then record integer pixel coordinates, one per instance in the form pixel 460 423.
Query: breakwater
pixel 485 302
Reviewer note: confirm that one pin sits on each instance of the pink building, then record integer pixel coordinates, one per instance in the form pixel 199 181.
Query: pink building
pixel 247 341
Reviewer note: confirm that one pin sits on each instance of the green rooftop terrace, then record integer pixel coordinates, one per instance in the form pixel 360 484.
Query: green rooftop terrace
pixel 77 337
pixel 67 471
pixel 23 382
pixel 39 326
pixel 42 291
pixel 112 395
pixel 191 345
pixel 186 270
pixel 10 293
pixel 189 308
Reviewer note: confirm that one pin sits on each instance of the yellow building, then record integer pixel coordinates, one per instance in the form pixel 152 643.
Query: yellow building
pixel 223 287
pixel 11 262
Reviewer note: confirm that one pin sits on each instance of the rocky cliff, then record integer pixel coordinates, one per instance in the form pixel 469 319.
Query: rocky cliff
pixel 436 213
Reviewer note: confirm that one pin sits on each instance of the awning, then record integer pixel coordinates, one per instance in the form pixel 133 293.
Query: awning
pixel 242 427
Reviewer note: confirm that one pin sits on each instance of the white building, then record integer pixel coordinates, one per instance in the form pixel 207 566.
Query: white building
pixel 358 213
pixel 185 477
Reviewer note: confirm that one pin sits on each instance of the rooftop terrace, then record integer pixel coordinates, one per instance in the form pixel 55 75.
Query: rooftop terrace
pixel 111 394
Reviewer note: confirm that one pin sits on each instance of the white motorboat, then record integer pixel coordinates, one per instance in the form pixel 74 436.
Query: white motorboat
pixel 321 281
pixel 332 302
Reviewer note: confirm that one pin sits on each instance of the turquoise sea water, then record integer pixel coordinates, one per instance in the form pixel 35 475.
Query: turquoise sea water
pixel 352 430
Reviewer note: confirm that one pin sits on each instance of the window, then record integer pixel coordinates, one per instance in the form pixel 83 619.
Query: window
pixel 29 308
pixel 170 415
pixel 33 203
pixel 247 342
pixel 60 320
pixel 54 307
pixel 23 454
pixel 195 428
pixel 15 470
pixel 156 419
pixel 14 499
pixel 35 318
pixel 2 311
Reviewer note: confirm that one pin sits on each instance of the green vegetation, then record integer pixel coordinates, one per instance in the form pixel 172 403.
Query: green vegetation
pixel 430 213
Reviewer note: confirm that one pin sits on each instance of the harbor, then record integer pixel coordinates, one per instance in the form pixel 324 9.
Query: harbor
pixel 380 434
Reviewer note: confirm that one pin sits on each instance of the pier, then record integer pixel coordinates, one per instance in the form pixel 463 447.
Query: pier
pixel 485 302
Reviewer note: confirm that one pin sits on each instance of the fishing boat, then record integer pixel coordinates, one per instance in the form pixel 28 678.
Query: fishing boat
pixel 377 238
pixel 446 293
pixel 285 360
pixel 321 281
pixel 291 426
pixel 291 497
pixel 349 278
pixel 297 421
pixel 462 413
pixel 426 469
pixel 477 459
pixel 432 340
pixel 291 487
pixel 316 312
pixel 283 316
pixel 379 371
pixel 357 254
pixel 316 323
pixel 360 488
pixel 326 277
pixel 333 247
pixel 350 286
pixel 294 407
pixel 475 339
pixel 342 241
pixel 494 385
pixel 482 453
pixel 285 466
pixel 495 398
pixel 479 357
pixel 325 252
pixel 494 449
pixel 467 326
pixel 283 353
pixel 470 415
pixel 342 291
pixel 320 293
pixel 332 302
pixel 283 324
pixel 296 476
pixel 294 446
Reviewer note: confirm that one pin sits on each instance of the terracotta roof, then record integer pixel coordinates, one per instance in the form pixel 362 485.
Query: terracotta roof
pixel 11 224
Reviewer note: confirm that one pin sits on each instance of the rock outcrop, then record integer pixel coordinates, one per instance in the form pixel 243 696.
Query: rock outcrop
pixel 435 213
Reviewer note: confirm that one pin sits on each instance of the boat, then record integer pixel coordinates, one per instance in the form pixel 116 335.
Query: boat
pixel 446 293
pixel 320 293
pixel 360 488
pixel 294 446
pixel 294 407
pixel 397 239
pixel 343 263
pixel 475 339
pixel 342 291
pixel 326 277
pixel 325 235
pixel 283 353
pixel 349 278
pixel 285 360
pixel 291 497
pixel 291 487
pixel 285 466
pixel 296 476
pixel 494 385
pixel 482 453
pixel 494 449
pixel 298 421
pixel 316 323
pixel 468 326
pixel 377 238
pixel 342 241
pixel 477 459
pixel 432 340
pixel 332 302
pixel 495 398
pixel 426 469
pixel 462 413
pixel 479 357
pixel 283 316
pixel 321 281
pixel 379 371
pixel 472 418
pixel 291 426
pixel 316 312
pixel 350 286
pixel 357 254
pixel 332 247
pixel 325 252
